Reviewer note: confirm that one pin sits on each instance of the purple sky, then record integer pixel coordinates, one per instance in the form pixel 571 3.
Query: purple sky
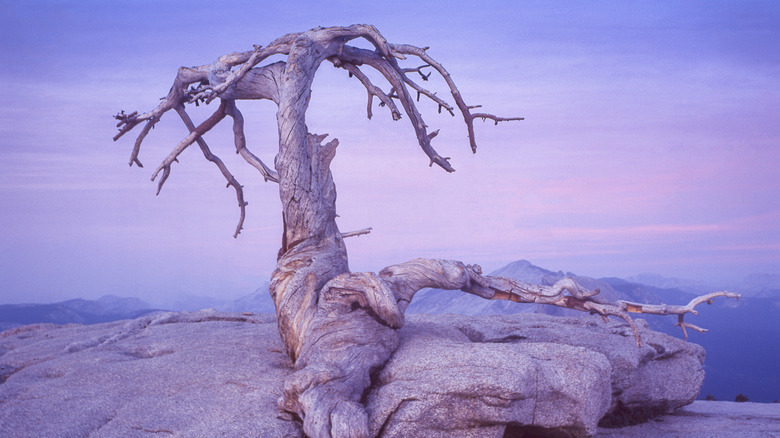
pixel 651 144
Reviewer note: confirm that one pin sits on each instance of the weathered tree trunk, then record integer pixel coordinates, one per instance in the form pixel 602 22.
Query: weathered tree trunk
pixel 339 327
pixel 312 250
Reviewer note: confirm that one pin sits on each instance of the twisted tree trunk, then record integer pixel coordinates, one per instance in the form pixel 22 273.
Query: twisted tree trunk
pixel 340 327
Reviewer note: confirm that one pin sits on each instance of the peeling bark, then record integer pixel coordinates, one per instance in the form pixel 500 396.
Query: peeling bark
pixel 340 327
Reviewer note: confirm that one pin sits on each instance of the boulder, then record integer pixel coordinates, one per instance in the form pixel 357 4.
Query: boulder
pixel 202 374
pixel 439 388
pixel 473 376
pixel 661 375
pixel 209 373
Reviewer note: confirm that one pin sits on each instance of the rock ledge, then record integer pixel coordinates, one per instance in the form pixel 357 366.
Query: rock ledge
pixel 208 373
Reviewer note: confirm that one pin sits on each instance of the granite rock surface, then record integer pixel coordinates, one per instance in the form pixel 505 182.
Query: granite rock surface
pixel 209 373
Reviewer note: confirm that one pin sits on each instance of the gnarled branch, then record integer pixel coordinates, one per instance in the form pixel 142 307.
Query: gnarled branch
pixel 468 118
pixel 231 180
pixel 589 301
pixel 371 89
pixel 191 138
pixel 240 141
pixel 396 79
pixel 176 96
pixel 680 311
pixel 408 278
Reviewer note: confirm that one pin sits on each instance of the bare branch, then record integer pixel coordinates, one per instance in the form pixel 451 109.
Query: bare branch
pixel 193 136
pixel 356 233
pixel 369 33
pixel 231 180
pixel 424 77
pixel 580 299
pixel 137 146
pixel 176 96
pixel 371 89
pixel 398 79
pixel 495 119
pixel 236 58
pixel 407 278
pixel 279 46
pixel 240 141
pixel 424 92
pixel 464 109
pixel 392 73
pixel 681 311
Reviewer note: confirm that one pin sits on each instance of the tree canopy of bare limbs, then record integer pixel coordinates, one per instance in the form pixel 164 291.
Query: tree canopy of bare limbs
pixel 339 326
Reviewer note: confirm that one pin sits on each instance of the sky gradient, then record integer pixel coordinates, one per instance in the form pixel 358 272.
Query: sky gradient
pixel 651 144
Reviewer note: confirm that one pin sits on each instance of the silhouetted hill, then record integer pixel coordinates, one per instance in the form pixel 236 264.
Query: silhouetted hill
pixel 648 294
pixel 659 281
pixel 107 305
pixel 105 309
pixel 112 308
pixel 258 301
pixel 760 285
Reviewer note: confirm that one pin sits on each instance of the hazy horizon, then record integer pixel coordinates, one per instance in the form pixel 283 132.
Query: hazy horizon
pixel 185 297
pixel 650 144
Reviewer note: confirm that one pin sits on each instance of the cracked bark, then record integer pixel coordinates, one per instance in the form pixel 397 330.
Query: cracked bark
pixel 337 326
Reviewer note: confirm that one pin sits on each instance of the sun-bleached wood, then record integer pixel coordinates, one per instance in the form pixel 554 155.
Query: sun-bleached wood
pixel 339 327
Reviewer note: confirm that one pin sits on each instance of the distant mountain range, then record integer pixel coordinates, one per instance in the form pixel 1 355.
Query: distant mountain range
pixel 743 344
pixel 113 308
pixel 766 285
pixel 79 311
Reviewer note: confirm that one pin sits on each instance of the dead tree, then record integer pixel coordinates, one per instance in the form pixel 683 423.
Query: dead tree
pixel 338 326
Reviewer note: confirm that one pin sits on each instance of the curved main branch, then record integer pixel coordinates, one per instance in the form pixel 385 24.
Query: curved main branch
pixel 408 278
